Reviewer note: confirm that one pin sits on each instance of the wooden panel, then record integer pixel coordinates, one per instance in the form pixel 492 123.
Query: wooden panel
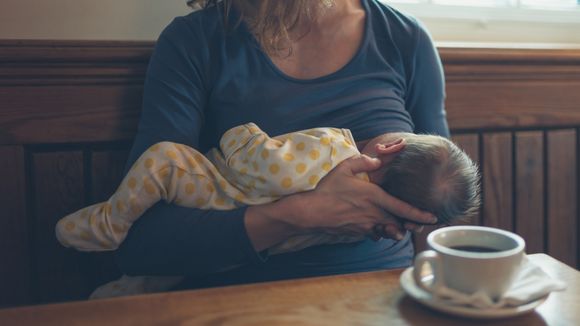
pixel 485 57
pixel 563 196
pixel 106 174
pixel 508 104
pixel 14 249
pixel 46 51
pixel 497 180
pixel 107 168
pixel 420 239
pixel 60 273
pixel 61 114
pixel 470 144
pixel 529 222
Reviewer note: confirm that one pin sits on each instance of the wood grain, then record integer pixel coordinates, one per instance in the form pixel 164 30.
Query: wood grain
pixel 374 298
pixel 50 51
pixel 106 174
pixel 15 256
pixel 512 104
pixel 563 196
pixel 63 114
pixel 60 273
pixel 107 167
pixel 529 206
pixel 469 143
pixel 497 181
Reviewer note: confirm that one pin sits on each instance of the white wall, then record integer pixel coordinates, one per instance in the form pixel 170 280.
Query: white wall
pixel 87 19
pixel 144 20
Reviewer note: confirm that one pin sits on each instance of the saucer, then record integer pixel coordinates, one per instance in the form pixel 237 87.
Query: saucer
pixel 426 298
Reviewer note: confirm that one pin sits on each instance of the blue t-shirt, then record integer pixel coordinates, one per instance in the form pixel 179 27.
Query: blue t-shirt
pixel 204 79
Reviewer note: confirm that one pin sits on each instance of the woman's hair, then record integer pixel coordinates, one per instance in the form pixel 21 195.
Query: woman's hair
pixel 270 21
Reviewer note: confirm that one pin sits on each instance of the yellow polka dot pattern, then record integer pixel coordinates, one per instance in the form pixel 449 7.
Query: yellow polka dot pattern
pixel 267 168
pixel 120 206
pixel 149 187
pixel 314 154
pixel 118 228
pixel 265 154
pixel 154 148
pixel 189 188
pixel 274 168
pixel 300 168
pixel 171 154
pixel 149 163
pixel 286 183
pixel 69 226
pixel 313 180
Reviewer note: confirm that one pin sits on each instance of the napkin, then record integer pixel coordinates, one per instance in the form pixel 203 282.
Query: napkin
pixel 531 283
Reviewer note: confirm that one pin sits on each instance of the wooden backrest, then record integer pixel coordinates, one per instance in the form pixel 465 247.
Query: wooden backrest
pixel 69 110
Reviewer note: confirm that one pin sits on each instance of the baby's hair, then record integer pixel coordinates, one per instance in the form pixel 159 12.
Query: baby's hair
pixel 435 175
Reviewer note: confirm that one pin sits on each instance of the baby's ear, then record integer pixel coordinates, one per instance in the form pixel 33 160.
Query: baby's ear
pixel 387 152
pixel 390 148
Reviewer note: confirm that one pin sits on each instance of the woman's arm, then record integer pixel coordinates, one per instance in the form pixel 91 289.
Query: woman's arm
pixel 167 239
pixel 425 99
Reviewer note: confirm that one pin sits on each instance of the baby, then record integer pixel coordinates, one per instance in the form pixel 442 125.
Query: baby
pixel 250 168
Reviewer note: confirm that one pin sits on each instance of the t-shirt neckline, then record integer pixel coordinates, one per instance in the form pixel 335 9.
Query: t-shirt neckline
pixel 345 67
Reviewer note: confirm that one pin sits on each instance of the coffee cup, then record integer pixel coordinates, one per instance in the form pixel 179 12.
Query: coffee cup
pixel 470 259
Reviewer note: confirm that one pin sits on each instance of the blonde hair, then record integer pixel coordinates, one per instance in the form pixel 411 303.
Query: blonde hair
pixel 270 21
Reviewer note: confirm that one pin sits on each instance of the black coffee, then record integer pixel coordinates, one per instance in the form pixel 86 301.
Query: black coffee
pixel 475 249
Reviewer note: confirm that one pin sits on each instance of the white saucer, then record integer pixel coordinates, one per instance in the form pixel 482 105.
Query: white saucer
pixel 426 298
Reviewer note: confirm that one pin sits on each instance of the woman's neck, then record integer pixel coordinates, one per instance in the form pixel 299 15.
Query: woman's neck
pixel 328 17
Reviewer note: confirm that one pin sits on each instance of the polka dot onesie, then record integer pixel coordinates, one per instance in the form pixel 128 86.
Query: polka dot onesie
pixel 249 168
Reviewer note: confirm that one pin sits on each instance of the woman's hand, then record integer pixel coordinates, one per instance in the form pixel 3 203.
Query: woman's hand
pixel 341 204
pixel 345 204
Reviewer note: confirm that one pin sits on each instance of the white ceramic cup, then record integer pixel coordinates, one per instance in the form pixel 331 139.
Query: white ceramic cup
pixel 469 271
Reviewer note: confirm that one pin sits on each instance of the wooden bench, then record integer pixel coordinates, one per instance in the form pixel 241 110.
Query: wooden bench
pixel 69 110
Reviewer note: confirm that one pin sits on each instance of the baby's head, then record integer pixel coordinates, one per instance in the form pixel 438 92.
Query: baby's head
pixel 430 173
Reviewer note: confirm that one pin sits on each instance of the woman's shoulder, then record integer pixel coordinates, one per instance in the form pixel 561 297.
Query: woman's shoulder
pixel 204 23
pixel 193 39
pixel 404 29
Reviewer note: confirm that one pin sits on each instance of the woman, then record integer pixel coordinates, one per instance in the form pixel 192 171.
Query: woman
pixel 285 65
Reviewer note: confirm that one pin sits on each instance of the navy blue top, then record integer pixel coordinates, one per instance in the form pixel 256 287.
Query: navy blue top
pixel 203 80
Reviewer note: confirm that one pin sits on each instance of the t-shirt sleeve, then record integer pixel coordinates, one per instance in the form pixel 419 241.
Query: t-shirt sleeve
pixel 426 87
pixel 168 239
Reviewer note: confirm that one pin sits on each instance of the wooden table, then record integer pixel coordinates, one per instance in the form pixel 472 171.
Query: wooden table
pixel 373 298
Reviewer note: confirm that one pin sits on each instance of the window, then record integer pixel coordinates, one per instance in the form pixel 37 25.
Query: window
pixel 505 21
pixel 540 4
pixel 529 10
